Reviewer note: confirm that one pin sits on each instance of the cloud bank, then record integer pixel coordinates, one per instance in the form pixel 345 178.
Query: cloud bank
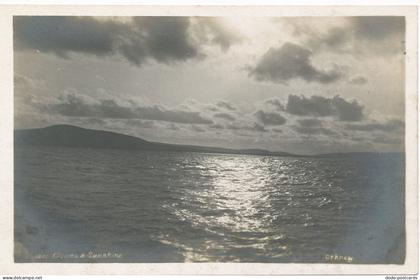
pixel 72 105
pixel 318 106
pixel 162 39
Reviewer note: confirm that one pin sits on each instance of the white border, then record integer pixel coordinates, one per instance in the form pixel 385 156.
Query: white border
pixel 7 266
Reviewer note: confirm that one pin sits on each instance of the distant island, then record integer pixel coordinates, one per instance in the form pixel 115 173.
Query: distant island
pixel 74 136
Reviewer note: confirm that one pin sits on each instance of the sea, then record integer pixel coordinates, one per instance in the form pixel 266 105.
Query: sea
pixel 99 205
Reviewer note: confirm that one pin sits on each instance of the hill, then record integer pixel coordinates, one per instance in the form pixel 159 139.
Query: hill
pixel 74 136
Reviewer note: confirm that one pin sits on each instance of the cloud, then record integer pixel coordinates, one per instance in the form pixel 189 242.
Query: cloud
pixel 218 107
pixel 388 141
pixel 312 126
pixel 212 30
pixel 310 122
pixel 73 105
pixel 347 111
pixel 225 116
pixel 334 38
pixel 290 62
pixel 226 105
pixel 313 130
pixel 140 123
pixel 22 82
pixel 60 35
pixel 216 126
pixel 377 28
pixel 319 106
pixel 277 104
pixel 197 128
pixel 95 121
pixel 377 35
pixel 269 118
pixel 316 106
pixel 390 125
pixel 163 39
pixel 255 127
pixel 358 80
pixel 25 86
pixel 172 126
pixel 22 91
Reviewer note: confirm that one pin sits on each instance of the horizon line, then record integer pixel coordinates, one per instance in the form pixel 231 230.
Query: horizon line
pixel 213 147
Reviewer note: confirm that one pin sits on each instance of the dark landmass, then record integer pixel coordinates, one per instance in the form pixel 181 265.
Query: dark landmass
pixel 78 137
pixel 73 136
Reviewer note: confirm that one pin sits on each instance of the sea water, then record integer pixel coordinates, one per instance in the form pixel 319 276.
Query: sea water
pixel 97 205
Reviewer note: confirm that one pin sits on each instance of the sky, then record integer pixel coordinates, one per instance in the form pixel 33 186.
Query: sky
pixel 303 85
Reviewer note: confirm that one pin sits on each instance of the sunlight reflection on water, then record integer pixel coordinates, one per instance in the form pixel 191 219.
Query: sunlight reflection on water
pixel 239 201
pixel 176 207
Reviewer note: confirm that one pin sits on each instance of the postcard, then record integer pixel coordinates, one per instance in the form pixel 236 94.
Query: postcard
pixel 209 140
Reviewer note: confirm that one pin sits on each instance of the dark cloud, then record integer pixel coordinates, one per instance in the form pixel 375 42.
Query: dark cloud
pixel 270 118
pixel 225 116
pixel 347 111
pixel 358 80
pixel 319 106
pixel 60 35
pixel 390 125
pixel 74 106
pixel 290 62
pixel 164 39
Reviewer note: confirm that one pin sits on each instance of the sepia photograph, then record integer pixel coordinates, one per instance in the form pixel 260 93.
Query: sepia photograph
pixel 198 138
